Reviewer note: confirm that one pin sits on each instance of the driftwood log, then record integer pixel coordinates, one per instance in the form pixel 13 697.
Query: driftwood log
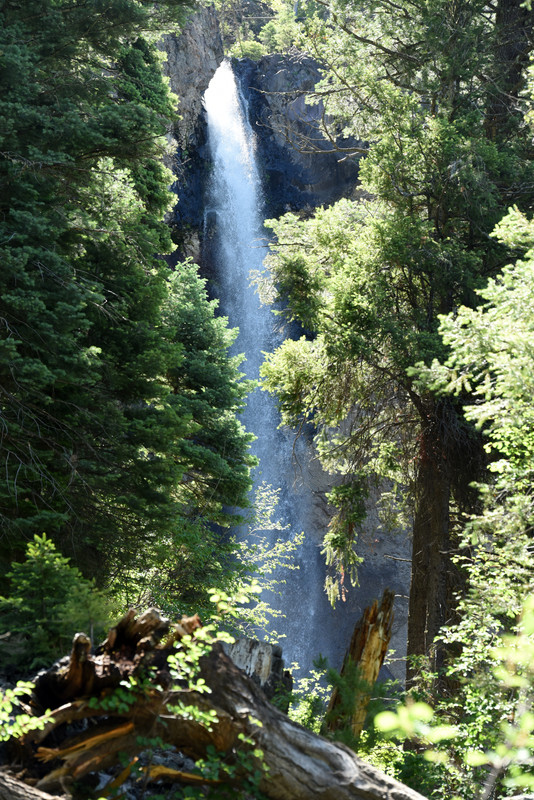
pixel 367 650
pixel 300 765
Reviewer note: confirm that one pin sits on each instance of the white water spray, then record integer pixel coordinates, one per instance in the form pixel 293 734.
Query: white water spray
pixel 235 201
pixel 233 209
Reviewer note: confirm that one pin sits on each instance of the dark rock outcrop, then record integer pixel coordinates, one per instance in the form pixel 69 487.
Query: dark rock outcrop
pixel 301 166
pixel 192 58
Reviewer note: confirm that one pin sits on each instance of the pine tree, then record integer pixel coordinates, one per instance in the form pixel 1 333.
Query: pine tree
pixel 93 424
pixel 209 390
pixel 370 279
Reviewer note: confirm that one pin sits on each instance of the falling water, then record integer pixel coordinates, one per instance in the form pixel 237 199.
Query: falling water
pixel 235 203
pixel 233 208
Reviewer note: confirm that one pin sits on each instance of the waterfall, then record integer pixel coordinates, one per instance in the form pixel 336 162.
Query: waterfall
pixel 233 208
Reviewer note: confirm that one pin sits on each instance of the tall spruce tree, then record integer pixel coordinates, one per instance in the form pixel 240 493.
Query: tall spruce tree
pixel 426 84
pixel 90 403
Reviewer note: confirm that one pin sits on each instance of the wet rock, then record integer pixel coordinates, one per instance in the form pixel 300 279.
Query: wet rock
pixel 301 166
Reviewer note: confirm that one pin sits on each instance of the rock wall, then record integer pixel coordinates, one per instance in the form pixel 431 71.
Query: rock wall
pixel 301 166
pixel 192 58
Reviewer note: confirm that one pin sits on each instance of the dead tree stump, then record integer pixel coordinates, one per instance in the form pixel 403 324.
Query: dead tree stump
pixel 367 650
pixel 162 703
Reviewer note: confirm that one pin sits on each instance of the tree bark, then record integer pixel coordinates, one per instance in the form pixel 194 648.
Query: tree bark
pixel 451 458
pixel 13 789
pixel 430 597
pixel 513 44
pixel 300 764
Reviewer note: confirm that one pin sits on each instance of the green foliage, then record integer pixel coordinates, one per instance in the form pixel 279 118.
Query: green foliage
pixel 120 438
pixel 369 280
pixel 309 698
pixel 13 722
pixel 239 23
pixel 485 727
pixel 49 602
pixel 240 779
pixel 180 584
pixel 248 48
pixel 482 749
pixel 83 123
pixel 491 354
pixel 339 543
pixel 263 558
pixel 246 34
pixel 208 389
pixel 283 31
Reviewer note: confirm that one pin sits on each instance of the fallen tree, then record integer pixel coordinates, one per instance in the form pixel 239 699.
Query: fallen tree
pixel 142 685
pixel 13 789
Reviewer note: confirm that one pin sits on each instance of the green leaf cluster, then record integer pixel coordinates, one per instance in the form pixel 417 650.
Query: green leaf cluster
pixel 13 722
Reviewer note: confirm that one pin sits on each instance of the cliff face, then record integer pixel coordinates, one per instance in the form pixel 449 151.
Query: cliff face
pixel 192 58
pixel 301 166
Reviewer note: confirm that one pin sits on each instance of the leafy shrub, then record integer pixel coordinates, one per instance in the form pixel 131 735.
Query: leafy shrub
pixel 248 48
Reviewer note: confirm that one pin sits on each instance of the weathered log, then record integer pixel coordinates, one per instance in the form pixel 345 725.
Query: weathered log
pixel 300 765
pixel 367 650
pixel 13 789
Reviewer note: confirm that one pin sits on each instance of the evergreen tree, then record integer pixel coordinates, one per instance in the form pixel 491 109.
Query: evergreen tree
pixel 208 389
pixel 369 280
pixel 50 602
pixel 93 422
pixel 491 357
pixel 489 747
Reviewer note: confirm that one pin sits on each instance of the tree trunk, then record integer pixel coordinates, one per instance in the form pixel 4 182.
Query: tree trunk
pixel 451 458
pixel 300 764
pixel 12 789
pixel 430 596
pixel 513 44
pixel 367 650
